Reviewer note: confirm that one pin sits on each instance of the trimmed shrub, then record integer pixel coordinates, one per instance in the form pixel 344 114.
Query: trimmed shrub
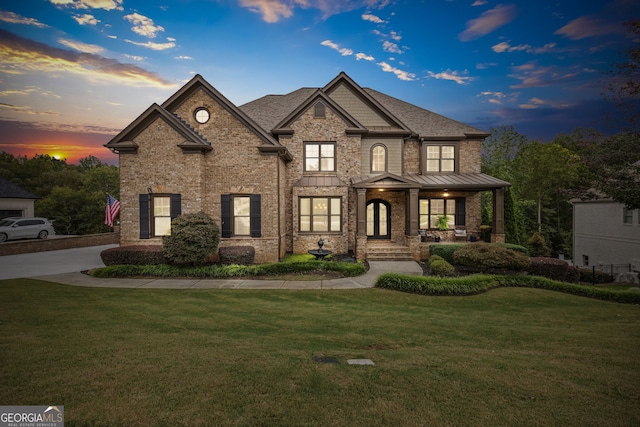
pixel 133 255
pixel 243 255
pixel 488 257
pixel 440 267
pixel 472 285
pixel 194 237
pixel 551 268
pixel 538 246
pixel 588 275
pixel 513 247
pixel 444 251
pixel 573 275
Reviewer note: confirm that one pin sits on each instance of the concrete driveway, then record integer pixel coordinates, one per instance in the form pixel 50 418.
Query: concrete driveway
pixel 51 262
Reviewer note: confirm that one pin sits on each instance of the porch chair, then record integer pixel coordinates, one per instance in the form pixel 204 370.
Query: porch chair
pixel 460 232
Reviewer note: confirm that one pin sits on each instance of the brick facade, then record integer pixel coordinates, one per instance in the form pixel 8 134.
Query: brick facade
pixel 237 152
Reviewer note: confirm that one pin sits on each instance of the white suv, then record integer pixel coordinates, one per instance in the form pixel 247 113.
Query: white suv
pixel 25 228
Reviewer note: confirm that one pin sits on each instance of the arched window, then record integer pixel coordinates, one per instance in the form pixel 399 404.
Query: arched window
pixel 378 158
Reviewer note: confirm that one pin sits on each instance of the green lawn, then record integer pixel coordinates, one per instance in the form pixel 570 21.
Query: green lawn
pixel 143 357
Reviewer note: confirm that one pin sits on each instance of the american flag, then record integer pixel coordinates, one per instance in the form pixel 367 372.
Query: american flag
pixel 113 207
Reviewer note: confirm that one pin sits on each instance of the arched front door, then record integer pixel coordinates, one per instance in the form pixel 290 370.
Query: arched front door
pixel 378 219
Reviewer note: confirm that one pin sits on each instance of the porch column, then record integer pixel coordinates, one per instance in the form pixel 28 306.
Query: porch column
pixel 412 214
pixel 498 215
pixel 361 223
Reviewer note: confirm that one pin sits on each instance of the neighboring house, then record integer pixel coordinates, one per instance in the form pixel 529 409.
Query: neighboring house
pixel 350 165
pixel 605 234
pixel 14 201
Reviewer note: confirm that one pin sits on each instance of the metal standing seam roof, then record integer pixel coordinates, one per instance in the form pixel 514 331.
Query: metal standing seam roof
pixel 9 190
pixel 467 181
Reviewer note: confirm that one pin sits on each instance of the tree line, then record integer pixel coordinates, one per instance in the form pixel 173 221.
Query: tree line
pixel 73 196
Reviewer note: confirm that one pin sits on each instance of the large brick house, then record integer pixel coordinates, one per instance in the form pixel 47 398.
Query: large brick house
pixel 344 163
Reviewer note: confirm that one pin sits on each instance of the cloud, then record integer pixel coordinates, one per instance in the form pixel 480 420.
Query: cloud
pixel 26 110
pixel 372 18
pixel 402 75
pixel 155 46
pixel 26 91
pixel 479 3
pixel 143 26
pixel 183 57
pixel 450 75
pixel 488 22
pixel 390 47
pixel 272 11
pixel 589 26
pixel 81 47
pixel 506 47
pixel 135 57
pixel 90 4
pixel 86 19
pixel 364 56
pixel 343 50
pixel 530 75
pixel 486 65
pixel 14 18
pixel 19 55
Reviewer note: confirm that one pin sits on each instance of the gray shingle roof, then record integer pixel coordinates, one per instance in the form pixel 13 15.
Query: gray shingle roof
pixel 423 122
pixel 12 191
pixel 270 110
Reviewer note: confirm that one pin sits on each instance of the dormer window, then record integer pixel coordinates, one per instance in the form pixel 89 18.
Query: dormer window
pixel 440 158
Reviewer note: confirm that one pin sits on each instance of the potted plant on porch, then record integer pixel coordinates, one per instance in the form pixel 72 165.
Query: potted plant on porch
pixel 443 225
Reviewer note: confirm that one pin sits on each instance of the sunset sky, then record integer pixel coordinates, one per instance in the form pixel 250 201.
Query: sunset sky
pixel 73 73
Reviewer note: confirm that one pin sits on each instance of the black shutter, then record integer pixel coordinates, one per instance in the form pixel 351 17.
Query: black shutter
pixel 256 218
pixel 144 215
pixel 461 212
pixel 176 206
pixel 225 208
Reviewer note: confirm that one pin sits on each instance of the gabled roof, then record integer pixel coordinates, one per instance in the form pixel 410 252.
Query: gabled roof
pixel 123 142
pixel 198 82
pixel 318 95
pixel 426 124
pixel 272 111
pixel 9 190
pixel 383 180
pixel 344 79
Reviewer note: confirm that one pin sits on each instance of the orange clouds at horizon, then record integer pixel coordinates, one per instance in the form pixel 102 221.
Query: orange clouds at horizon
pixel 70 146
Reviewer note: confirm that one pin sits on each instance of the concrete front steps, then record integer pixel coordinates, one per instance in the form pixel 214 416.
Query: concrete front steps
pixel 386 250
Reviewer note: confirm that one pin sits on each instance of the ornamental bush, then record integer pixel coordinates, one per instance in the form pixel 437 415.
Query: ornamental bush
pixel 589 275
pixel 554 269
pixel 444 251
pixel 440 267
pixel 490 257
pixel 244 255
pixel 133 255
pixel 538 246
pixel 194 237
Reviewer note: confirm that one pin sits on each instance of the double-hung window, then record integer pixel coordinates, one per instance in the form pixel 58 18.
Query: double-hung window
pixel 156 213
pixel 319 214
pixel 241 215
pixel 440 158
pixel 627 216
pixel 319 157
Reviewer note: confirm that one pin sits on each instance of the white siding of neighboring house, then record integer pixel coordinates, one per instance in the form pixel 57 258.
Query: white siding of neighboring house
pixel 600 234
pixel 14 204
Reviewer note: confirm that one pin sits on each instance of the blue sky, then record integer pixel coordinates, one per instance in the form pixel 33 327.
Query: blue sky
pixel 75 72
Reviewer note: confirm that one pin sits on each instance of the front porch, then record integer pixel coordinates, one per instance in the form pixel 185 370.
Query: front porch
pixel 396 216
